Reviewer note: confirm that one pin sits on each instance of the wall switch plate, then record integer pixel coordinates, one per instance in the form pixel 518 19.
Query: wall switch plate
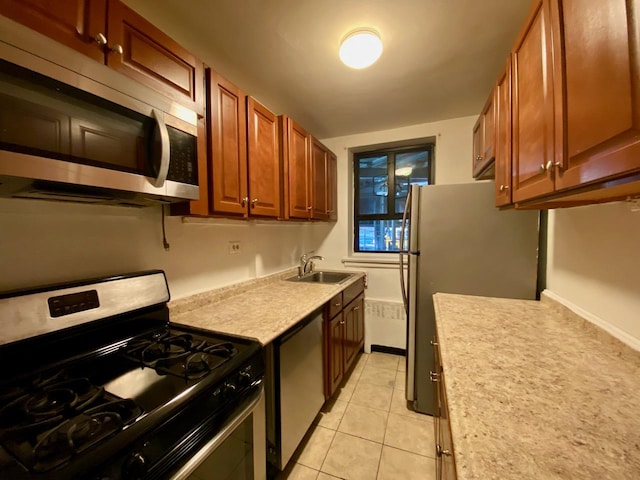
pixel 234 247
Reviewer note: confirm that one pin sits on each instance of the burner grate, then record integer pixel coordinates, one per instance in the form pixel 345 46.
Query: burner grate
pixel 79 433
pixel 48 422
pixel 179 355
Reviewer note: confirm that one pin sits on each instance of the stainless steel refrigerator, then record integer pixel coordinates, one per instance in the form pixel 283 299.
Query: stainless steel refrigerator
pixel 458 242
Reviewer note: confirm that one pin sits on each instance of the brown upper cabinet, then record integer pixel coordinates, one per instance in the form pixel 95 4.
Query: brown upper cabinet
pixel 484 141
pixel 243 158
pixel 597 105
pixel 502 105
pixel 310 174
pixel 319 183
pixel 576 104
pixel 227 134
pixel 296 159
pixel 533 117
pixel 263 161
pixel 111 33
pixel 332 189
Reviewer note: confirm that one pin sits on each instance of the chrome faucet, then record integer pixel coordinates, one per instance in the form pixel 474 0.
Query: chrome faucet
pixel 306 261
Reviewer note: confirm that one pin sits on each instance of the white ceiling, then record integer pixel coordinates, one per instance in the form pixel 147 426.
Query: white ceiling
pixel 440 59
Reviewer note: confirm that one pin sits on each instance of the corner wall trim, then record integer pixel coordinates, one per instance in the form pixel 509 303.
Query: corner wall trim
pixel 614 331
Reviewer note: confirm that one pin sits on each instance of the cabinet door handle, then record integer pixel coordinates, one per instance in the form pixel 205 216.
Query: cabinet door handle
pixel 504 187
pixel 117 48
pixel 478 158
pixel 434 377
pixel 357 307
pixel 440 451
pixel 309 207
pixel 549 165
pixel 341 322
pixel 253 202
pixel 337 304
pixel 100 39
pixel 244 201
pixel 433 343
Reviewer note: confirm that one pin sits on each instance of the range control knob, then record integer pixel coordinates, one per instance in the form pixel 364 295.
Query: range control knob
pixel 135 467
pixel 244 378
pixel 228 389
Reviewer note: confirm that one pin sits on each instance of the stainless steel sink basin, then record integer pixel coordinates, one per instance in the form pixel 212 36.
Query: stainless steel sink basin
pixel 322 277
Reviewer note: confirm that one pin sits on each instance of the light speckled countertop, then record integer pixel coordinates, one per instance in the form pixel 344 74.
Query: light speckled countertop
pixel 536 392
pixel 261 309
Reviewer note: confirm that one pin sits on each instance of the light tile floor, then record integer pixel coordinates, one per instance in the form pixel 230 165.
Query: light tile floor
pixel 367 432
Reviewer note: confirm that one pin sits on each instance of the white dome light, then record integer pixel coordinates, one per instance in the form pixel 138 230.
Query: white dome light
pixel 361 49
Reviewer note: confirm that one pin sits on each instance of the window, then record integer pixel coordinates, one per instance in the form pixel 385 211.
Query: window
pixel 382 180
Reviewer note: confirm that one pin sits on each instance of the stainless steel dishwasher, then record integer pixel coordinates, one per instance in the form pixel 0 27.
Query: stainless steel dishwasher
pixel 295 387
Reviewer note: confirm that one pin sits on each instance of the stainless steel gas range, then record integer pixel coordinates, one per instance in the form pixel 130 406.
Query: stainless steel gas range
pixel 98 384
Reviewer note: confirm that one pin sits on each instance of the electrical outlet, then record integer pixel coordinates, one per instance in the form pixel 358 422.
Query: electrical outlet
pixel 634 204
pixel 234 247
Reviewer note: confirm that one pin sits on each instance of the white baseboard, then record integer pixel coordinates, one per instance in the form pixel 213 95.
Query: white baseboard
pixel 614 331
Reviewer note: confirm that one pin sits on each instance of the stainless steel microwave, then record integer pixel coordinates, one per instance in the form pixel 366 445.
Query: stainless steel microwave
pixel 72 129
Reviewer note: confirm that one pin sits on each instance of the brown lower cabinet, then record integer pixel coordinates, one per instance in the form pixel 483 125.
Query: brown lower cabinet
pixel 343 334
pixel 445 463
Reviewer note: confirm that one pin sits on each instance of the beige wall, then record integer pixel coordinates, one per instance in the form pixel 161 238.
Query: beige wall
pixel 594 265
pixel 46 242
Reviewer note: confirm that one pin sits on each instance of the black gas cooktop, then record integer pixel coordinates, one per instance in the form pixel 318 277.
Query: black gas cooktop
pixel 81 397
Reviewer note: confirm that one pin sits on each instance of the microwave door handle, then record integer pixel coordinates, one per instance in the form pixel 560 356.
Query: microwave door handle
pixel 165 149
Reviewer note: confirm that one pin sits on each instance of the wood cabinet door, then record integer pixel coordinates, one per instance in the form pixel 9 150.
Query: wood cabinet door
pixel 477 146
pixel 599 114
pixel 227 115
pixel 359 313
pixel 153 58
pixel 502 105
pixel 533 114
pixel 350 334
pixel 336 352
pixel 319 193
pixel 488 130
pixel 263 161
pixel 446 441
pixel 297 165
pixel 332 187
pixel 484 138
pixel 74 23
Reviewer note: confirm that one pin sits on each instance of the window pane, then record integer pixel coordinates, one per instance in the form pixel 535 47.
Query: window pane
pixel 373 185
pixel 411 167
pixel 380 235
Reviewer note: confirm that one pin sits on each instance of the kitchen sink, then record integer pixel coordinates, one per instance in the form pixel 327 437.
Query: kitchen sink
pixel 322 277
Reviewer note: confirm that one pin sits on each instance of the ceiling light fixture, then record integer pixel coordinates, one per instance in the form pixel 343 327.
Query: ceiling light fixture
pixel 361 48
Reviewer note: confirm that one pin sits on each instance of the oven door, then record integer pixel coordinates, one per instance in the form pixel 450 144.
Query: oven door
pixel 238 451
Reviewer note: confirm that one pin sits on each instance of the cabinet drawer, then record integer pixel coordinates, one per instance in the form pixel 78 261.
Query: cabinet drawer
pixel 335 306
pixel 352 291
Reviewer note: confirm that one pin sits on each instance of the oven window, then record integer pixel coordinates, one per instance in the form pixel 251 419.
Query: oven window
pixel 233 460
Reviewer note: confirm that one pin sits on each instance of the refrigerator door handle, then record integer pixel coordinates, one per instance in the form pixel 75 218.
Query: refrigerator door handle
pixel 405 300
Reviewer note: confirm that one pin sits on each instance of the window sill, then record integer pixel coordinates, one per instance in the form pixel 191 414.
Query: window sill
pixel 369 261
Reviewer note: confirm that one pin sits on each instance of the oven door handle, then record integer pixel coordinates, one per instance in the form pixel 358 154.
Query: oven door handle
pixel 195 461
